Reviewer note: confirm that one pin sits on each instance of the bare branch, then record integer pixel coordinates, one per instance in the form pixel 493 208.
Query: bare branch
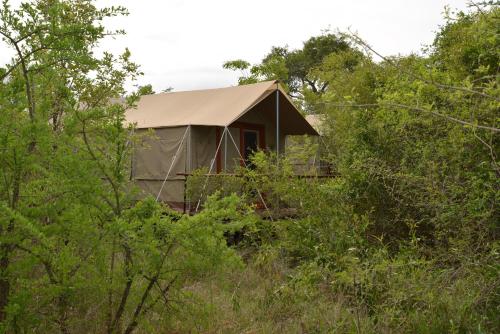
pixel 492 153
pixel 126 291
pixel 360 41
pixel 399 105
pixel 27 81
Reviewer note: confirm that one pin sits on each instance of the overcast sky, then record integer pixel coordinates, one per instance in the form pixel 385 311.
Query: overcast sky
pixel 183 44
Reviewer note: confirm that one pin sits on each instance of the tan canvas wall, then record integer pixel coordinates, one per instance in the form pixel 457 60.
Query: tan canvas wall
pixel 172 192
pixel 154 154
pixel 202 146
pixel 152 158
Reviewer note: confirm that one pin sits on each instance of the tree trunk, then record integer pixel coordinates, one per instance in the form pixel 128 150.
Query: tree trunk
pixel 4 280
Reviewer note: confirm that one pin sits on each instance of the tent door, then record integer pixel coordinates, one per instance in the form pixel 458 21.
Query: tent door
pixel 250 144
pixel 251 138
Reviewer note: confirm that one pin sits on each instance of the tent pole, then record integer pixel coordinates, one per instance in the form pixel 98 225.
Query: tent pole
pixel 277 121
pixel 132 158
pixel 189 167
pixel 189 150
pixel 277 132
pixel 225 150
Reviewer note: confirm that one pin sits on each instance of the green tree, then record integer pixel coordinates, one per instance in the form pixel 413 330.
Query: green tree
pixel 78 250
pixel 53 58
pixel 294 68
pixel 406 233
pixel 415 138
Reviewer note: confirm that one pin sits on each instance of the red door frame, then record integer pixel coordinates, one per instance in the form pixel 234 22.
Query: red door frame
pixel 242 126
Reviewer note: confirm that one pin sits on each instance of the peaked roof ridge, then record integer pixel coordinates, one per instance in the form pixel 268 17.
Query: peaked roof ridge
pixel 269 82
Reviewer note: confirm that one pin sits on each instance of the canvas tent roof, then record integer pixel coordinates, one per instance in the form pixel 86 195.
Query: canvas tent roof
pixel 210 107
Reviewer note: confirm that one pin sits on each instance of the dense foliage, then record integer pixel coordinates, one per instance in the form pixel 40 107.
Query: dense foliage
pixel 294 68
pixel 406 236
pixel 78 251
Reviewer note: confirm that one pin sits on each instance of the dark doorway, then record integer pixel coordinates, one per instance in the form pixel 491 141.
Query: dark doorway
pixel 251 143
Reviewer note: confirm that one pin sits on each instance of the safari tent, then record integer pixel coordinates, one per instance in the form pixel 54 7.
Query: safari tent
pixel 214 128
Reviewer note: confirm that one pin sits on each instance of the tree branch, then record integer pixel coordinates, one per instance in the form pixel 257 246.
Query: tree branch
pixel 360 41
pixel 24 67
pixel 398 105
pixel 126 291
